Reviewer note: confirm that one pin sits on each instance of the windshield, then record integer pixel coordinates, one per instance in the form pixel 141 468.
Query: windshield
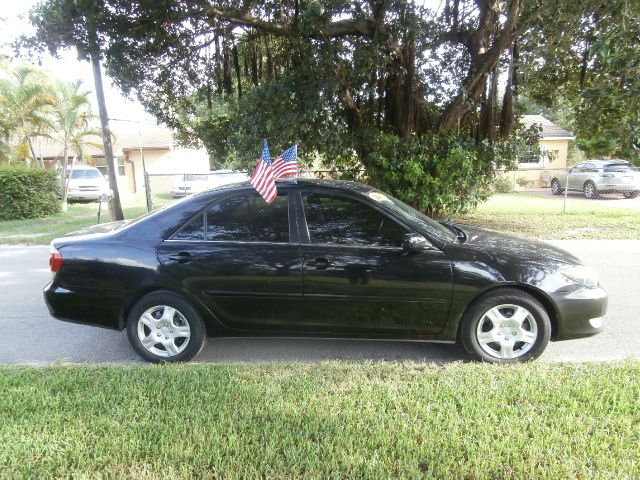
pixel 86 173
pixel 414 217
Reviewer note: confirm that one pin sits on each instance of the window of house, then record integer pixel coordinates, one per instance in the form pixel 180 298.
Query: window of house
pixel 339 220
pixel 529 154
pixel 101 165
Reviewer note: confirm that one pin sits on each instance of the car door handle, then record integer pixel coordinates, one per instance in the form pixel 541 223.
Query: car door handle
pixel 182 257
pixel 320 263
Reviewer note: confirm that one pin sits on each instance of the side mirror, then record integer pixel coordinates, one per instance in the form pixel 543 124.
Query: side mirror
pixel 414 242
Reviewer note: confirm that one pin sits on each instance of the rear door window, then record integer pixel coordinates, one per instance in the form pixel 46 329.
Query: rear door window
pixel 248 219
pixel 245 218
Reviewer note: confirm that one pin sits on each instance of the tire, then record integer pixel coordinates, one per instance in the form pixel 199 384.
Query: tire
pixel 172 321
pixel 630 194
pixel 590 190
pixel 556 189
pixel 490 322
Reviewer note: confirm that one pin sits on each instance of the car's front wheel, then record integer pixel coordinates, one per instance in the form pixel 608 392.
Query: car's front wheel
pixel 505 326
pixel 631 194
pixel 163 327
pixel 556 189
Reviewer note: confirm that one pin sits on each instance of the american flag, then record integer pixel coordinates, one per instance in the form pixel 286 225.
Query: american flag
pixel 262 177
pixel 286 163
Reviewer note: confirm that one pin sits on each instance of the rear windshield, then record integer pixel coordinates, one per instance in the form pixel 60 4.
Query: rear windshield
pixel 620 167
pixel 86 174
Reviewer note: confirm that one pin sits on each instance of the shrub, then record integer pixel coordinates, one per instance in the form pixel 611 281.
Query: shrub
pixel 502 185
pixel 523 181
pixel 28 193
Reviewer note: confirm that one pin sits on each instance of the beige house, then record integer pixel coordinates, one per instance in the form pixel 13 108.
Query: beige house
pixel 150 145
pixel 535 169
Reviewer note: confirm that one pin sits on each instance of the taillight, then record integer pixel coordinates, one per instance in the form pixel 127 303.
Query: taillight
pixel 55 259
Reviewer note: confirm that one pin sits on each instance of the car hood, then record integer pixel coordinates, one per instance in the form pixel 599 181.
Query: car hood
pixel 505 249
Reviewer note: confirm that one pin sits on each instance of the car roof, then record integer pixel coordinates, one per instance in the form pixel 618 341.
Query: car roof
pixel 607 162
pixel 307 182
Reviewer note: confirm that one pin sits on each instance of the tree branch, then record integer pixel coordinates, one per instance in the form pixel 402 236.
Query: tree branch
pixel 364 27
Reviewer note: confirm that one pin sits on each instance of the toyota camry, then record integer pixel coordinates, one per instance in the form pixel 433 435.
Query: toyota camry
pixel 325 259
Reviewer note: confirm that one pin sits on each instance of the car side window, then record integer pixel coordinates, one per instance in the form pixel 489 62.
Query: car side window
pixel 248 218
pixel 339 220
pixel 193 230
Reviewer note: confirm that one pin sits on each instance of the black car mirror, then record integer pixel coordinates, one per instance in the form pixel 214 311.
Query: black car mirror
pixel 414 242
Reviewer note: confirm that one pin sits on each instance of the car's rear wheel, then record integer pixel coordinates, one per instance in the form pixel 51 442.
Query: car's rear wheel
pixel 505 326
pixel 163 327
pixel 590 190
pixel 631 194
pixel 556 189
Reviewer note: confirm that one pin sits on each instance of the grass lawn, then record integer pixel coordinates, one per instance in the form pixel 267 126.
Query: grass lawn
pixel 540 216
pixel 41 231
pixel 330 420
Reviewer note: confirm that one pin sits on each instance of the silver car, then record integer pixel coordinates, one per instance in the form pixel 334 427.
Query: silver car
pixel 599 176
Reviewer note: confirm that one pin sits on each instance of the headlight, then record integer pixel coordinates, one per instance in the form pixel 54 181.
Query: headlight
pixel 581 275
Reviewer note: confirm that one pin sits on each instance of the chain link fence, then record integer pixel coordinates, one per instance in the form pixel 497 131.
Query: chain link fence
pixel 567 186
pixel 583 182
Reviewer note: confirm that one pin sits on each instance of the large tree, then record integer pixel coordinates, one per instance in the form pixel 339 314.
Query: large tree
pixel 410 96
pixel 590 74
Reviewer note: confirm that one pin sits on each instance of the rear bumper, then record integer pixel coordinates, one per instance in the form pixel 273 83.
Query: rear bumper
pixel 87 306
pixel 580 312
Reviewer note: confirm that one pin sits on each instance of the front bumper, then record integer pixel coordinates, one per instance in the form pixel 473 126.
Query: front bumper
pixel 91 195
pixel 578 312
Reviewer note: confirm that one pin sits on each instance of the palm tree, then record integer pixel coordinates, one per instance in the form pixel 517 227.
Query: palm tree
pixel 71 123
pixel 25 99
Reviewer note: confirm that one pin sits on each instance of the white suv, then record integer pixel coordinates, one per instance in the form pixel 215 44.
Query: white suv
pixel 86 183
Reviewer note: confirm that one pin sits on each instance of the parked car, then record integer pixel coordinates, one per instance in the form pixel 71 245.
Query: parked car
pixel 188 184
pixel 594 177
pixel 326 259
pixel 86 183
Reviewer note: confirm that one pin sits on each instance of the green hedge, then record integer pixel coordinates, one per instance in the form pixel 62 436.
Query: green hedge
pixel 28 193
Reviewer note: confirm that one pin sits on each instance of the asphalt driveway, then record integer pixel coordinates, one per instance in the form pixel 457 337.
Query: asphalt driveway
pixel 30 336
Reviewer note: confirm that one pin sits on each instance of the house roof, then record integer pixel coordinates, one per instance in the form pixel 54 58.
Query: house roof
pixel 125 138
pixel 550 131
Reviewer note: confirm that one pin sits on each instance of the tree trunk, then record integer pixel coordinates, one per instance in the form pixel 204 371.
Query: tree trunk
pixel 115 207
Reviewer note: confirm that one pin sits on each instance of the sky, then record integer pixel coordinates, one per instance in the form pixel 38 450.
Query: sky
pixel 68 67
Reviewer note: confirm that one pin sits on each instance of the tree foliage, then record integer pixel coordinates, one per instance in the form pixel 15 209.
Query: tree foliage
pixel 25 101
pixel 590 75
pixel 408 94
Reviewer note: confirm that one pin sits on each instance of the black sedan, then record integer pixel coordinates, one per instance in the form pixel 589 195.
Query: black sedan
pixel 326 259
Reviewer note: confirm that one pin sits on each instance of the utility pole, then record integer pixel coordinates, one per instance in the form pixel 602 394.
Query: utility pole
pixel 115 207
